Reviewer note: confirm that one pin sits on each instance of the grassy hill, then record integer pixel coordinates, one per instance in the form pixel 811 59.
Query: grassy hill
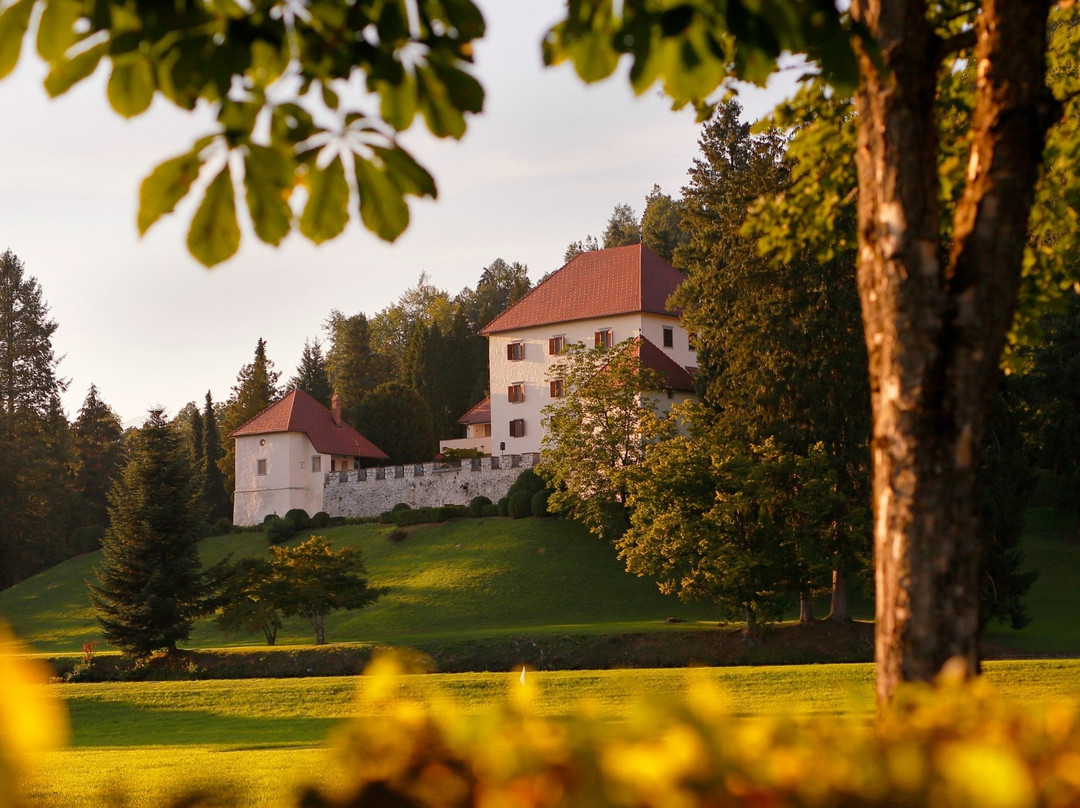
pixel 466 578
pixel 472 580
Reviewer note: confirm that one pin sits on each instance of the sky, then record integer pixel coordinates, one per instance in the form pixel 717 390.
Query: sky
pixel 542 166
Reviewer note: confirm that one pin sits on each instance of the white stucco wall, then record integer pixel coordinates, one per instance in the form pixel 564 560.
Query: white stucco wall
pixel 289 481
pixel 532 371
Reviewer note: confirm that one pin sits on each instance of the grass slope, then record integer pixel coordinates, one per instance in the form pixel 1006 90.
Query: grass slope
pixel 466 578
pixel 135 743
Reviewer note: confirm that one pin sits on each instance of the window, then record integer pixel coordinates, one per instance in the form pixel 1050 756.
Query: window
pixel 517 428
pixel 316 464
pixel 603 337
pixel 556 388
pixel 260 468
pixel 556 345
pixel 669 337
pixel 515 351
pixel 515 392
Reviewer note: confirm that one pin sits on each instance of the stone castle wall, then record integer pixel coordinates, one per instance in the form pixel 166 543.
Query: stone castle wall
pixel 369 492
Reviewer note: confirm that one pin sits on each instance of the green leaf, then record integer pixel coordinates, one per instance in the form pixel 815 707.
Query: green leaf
pixel 165 186
pixel 327 210
pixel 131 85
pixel 13 24
pixel 442 117
pixel 214 235
pixel 382 203
pixel 56 30
pixel 65 75
pixel 268 177
pixel 398 101
pixel 408 174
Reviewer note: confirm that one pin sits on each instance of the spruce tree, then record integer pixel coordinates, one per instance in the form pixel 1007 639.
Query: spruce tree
pixel 98 439
pixel 311 375
pixel 149 585
pixel 214 494
pixel 255 390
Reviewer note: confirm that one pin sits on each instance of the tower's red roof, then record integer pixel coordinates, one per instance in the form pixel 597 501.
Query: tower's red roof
pixel 479 414
pixel 599 283
pixel 299 412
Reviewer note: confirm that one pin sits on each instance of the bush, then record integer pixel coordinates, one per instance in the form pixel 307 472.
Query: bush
pixel 520 504
pixel 222 526
pixel 298 518
pixel 490 510
pixel 477 505
pixel 954 745
pixel 86 539
pixel 278 530
pixel 320 520
pixel 539 504
pixel 427 516
pixel 528 481
pixel 401 506
pixel 397 535
pixel 503 507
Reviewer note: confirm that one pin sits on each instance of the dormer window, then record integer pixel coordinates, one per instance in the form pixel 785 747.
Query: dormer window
pixel 515 351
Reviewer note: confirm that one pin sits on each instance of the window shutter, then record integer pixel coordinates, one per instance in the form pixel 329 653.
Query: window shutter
pixel 551 347
pixel 598 338
pixel 510 351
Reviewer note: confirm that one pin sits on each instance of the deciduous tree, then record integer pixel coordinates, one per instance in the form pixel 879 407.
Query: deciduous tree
pixel 319 580
pixel 623 228
pixel 396 418
pixel 597 432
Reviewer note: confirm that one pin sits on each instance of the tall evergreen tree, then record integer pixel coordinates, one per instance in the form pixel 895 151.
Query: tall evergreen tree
pixel 352 364
pixel 661 228
pixel 98 439
pixel 149 585
pixel 311 375
pixel 35 487
pixel 255 390
pixel 214 495
pixel 623 228
pixel 780 347
pixel 396 418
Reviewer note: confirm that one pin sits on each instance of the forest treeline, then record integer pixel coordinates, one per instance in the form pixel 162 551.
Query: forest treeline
pixel 782 380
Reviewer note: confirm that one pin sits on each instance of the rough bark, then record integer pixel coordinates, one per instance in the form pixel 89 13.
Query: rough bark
pixel 935 318
pixel 839 605
pixel 806 608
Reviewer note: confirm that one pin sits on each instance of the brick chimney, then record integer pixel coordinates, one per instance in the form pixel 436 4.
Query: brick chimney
pixel 335 408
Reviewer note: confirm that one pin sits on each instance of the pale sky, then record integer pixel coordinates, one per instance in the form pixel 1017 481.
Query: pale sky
pixel 543 165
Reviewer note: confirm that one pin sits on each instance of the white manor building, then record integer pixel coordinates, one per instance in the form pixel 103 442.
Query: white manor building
pixel 600 297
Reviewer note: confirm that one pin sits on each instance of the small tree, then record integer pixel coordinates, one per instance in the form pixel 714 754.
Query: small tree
pixel 246 597
pixel 149 585
pixel 596 432
pixel 316 580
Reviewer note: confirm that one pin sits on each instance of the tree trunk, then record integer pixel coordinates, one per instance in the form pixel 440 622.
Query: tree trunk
pixel 318 621
pixel 935 321
pixel 806 608
pixel 839 607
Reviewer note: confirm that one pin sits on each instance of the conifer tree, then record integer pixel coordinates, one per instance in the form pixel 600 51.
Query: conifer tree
pixel 311 375
pixel 214 494
pixel 623 228
pixel 98 439
pixel 149 585
pixel 255 390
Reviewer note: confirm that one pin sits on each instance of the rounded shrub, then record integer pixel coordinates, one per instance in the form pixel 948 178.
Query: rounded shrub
pixel 528 481
pixel 320 520
pixel 490 510
pixel 503 507
pixel 477 505
pixel 278 530
pixel 298 518
pixel 539 504
pixel 401 506
pixel 221 526
pixel 520 504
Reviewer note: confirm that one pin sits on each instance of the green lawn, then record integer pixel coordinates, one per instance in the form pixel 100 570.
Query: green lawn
pixel 464 578
pixel 263 738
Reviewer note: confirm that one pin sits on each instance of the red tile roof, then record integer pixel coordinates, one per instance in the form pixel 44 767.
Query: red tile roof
pixel 674 375
pixel 480 414
pixel 299 412
pixel 599 283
